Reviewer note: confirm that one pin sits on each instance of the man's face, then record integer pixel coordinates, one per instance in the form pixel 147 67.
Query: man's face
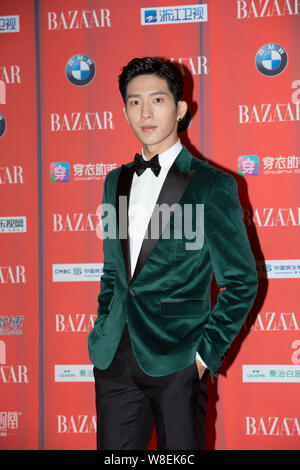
pixel 151 111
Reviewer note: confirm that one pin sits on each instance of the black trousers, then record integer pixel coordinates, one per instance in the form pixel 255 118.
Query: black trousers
pixel 129 403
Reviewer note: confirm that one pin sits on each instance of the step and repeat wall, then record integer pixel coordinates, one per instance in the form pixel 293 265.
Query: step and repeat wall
pixel 62 129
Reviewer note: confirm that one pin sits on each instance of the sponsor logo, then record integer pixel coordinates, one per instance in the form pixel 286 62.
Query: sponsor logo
pixel 92 171
pixel 271 60
pixel 281 164
pixel 266 8
pixel 11 175
pixel 272 426
pixel 11 324
pixel 60 172
pixel 12 224
pixel 81 121
pixel 78 19
pixel 172 15
pixel 150 16
pixel 271 373
pixel 77 272
pixel 269 112
pixel 279 269
pixel 9 422
pixel 74 373
pixel 80 70
pixel 10 24
pixel 248 165
pixel 2 125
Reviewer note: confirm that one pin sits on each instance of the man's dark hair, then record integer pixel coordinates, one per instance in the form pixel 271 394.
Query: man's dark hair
pixel 160 68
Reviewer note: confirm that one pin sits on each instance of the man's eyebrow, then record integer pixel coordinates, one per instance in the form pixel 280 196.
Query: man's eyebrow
pixel 133 95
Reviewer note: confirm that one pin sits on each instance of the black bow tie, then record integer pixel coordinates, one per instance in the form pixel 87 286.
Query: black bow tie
pixel 140 165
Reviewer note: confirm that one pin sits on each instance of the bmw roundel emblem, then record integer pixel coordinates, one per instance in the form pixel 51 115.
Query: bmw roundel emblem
pixel 2 125
pixel 271 59
pixel 80 70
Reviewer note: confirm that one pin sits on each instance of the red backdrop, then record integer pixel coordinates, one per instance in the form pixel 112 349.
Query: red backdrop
pixel 58 140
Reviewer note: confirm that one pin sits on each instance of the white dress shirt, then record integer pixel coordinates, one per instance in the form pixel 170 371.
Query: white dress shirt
pixel 143 196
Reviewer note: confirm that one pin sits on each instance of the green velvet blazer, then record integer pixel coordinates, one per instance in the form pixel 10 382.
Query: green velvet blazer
pixel 167 300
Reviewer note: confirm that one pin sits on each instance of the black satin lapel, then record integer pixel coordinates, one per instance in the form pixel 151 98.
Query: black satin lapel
pixel 174 186
pixel 122 206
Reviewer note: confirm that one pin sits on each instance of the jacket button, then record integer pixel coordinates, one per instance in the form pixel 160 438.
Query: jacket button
pixel 131 293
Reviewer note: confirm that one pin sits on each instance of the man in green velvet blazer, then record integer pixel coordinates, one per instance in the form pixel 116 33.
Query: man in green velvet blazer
pixel 163 302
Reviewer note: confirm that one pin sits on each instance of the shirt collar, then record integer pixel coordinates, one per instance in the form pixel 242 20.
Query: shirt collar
pixel 167 158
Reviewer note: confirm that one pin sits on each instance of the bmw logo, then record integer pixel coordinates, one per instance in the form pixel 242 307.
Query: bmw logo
pixel 80 70
pixel 2 125
pixel 271 59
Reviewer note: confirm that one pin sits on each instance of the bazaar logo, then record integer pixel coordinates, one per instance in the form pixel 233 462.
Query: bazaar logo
pixel 10 74
pixel 269 112
pixel 276 321
pixel 80 70
pixel 80 424
pixel 197 65
pixel 79 322
pixel 78 19
pixel 78 121
pixel 11 175
pixel 271 60
pixel 265 8
pixel 12 275
pixel 272 426
pixel 76 222
pixel 277 217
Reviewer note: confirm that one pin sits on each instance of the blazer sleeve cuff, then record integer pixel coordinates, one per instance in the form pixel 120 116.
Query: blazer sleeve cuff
pixel 209 355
